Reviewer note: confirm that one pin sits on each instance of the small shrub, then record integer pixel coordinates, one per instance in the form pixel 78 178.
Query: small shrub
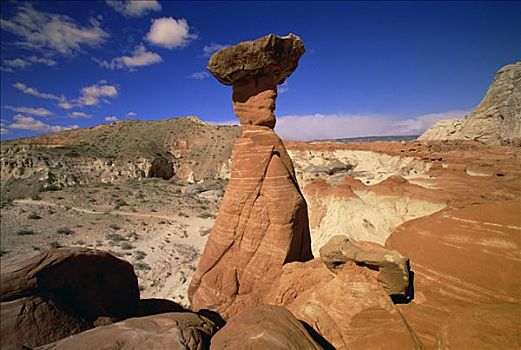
pixel 55 245
pixel 35 247
pixel 142 266
pixel 115 227
pixel 133 235
pixel 64 231
pixel 115 237
pixel 34 216
pixel 205 215
pixel 51 188
pixel 3 252
pixel 126 246
pixel 25 232
pixel 139 255
pixel 36 197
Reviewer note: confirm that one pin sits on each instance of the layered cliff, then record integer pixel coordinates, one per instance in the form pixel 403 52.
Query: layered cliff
pixel 496 120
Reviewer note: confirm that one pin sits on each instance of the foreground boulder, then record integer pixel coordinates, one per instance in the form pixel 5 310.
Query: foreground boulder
pixel 391 268
pixel 350 309
pixel 264 327
pixel 53 294
pixel 497 118
pixel 175 331
pixel 263 222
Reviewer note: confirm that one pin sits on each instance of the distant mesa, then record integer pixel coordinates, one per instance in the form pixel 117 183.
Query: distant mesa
pixel 496 120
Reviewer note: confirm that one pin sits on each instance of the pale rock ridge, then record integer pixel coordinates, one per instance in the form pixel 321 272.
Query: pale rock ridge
pixel 262 223
pixel 496 119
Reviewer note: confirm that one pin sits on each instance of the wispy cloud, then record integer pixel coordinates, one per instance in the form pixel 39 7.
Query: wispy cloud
pixel 131 114
pixel 111 119
pixel 41 112
pixel 333 126
pixel 25 62
pixel 199 75
pixel 89 95
pixel 209 50
pixel 3 130
pixel 134 8
pixel 22 122
pixel 34 92
pixel 53 32
pixel 140 57
pixel 170 33
pixel 76 115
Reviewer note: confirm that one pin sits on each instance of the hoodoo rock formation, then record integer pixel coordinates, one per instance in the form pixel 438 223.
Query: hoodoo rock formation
pixel 497 118
pixel 263 222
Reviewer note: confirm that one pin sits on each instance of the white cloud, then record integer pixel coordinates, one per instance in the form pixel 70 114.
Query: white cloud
pixel 76 115
pixel 283 88
pixel 140 57
pixel 334 126
pixel 199 75
pixel 209 50
pixel 134 8
pixel 131 114
pixel 29 123
pixel 34 92
pixel 17 63
pixel 66 105
pixel 170 33
pixel 54 32
pixel 42 112
pixel 91 95
pixel 28 61
pixel 111 119
pixel 3 130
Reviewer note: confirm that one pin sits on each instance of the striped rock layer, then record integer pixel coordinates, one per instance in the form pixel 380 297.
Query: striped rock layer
pixel 263 221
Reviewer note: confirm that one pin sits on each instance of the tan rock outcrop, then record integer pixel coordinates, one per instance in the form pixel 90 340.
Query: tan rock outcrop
pixel 263 221
pixel 264 327
pixel 495 120
pixel 350 309
pixel 391 268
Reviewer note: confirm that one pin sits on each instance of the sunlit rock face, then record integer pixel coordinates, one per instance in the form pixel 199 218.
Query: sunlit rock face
pixel 496 120
pixel 263 221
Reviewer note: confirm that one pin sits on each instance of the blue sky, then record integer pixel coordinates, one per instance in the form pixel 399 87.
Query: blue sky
pixel 371 68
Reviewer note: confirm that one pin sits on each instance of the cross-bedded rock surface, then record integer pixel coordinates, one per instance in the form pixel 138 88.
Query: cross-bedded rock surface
pixel 262 223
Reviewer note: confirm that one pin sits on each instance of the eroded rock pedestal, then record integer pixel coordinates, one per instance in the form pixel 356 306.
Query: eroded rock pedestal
pixel 263 222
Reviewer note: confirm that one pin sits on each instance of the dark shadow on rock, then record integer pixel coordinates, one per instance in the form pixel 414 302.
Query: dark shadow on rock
pixel 154 306
pixel 213 316
pixel 406 299
pixel 317 337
